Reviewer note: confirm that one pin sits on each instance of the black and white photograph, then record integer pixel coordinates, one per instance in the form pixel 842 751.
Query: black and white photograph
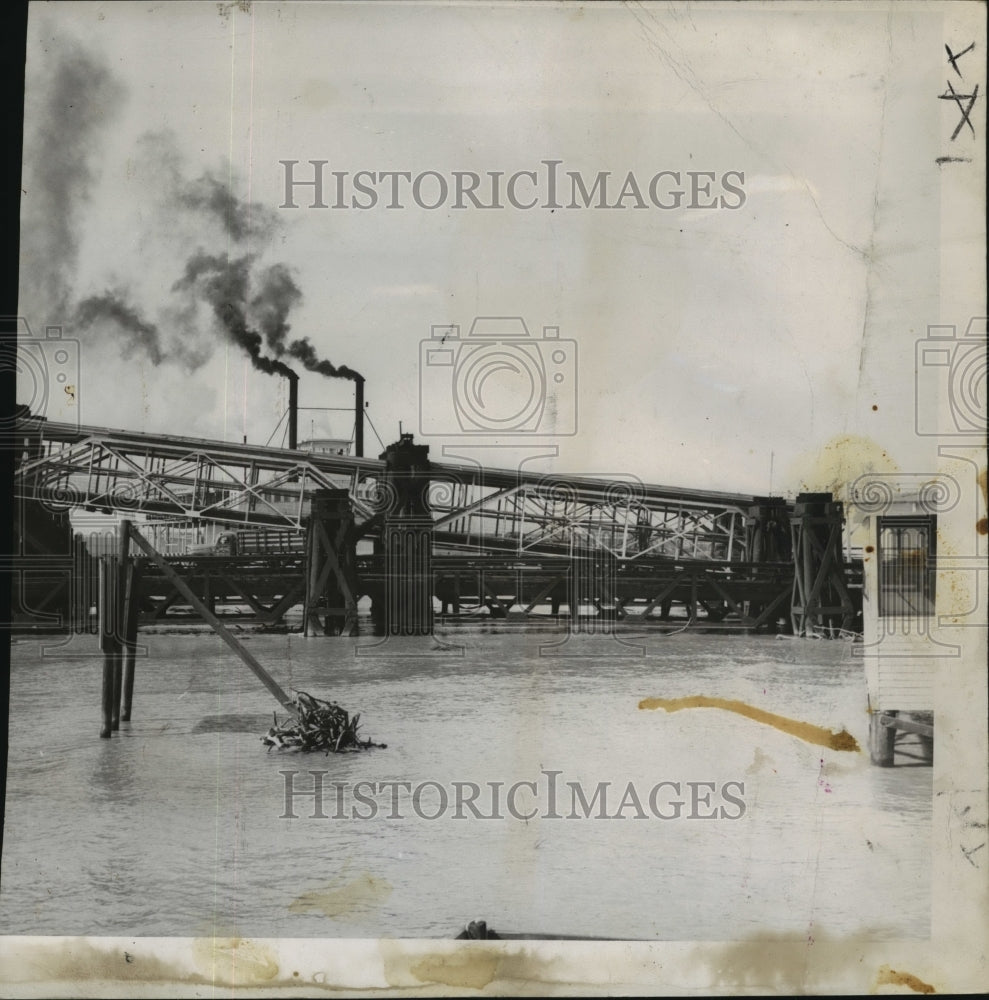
pixel 498 500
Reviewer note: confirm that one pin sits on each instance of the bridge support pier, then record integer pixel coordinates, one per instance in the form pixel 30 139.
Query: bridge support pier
pixel 768 539
pixel 331 579
pixel 820 596
pixel 592 581
pixel 767 529
pixel 408 544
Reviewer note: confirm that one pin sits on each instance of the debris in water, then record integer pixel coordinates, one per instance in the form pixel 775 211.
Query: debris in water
pixel 320 725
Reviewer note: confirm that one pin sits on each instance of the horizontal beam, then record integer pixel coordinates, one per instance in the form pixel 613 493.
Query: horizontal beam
pixel 906 725
pixel 225 451
pixel 193 479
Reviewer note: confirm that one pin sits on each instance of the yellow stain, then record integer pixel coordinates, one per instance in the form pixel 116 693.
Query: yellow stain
pixel 890 977
pixel 805 731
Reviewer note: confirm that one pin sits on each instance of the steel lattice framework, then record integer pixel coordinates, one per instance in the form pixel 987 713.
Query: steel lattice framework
pixel 566 514
pixel 474 509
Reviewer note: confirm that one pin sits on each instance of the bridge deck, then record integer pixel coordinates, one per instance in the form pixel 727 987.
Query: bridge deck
pixel 264 588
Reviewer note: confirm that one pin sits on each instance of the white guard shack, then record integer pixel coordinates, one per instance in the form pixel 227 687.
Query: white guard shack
pixel 895 519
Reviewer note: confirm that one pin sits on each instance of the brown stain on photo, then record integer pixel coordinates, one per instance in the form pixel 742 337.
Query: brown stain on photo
pixel 345 901
pixel 469 968
pixel 959 598
pixel 80 960
pixel 810 964
pixel 891 977
pixel 515 967
pixel 235 961
pixel 840 462
pixel 805 731
pixel 764 966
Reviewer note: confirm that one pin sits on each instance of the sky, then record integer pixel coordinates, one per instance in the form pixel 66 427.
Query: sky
pixel 766 346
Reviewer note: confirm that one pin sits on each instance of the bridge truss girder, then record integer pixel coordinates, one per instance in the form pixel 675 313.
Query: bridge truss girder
pixel 474 509
pixel 552 515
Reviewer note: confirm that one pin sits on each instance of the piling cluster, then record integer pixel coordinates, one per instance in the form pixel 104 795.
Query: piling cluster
pixel 318 725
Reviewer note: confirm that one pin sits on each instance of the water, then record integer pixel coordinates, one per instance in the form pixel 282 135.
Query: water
pixel 175 826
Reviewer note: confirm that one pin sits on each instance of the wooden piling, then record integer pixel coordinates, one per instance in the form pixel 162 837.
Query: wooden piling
pixel 80 589
pixel 106 624
pixel 118 675
pixel 118 605
pixel 130 617
pixel 881 740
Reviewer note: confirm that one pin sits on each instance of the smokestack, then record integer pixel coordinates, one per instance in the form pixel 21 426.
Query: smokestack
pixel 293 410
pixel 359 417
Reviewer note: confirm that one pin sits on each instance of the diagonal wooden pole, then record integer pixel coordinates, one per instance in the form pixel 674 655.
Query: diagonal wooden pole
pixel 183 588
pixel 131 602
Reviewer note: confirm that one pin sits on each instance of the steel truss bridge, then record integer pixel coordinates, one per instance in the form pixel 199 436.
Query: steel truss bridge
pixel 475 510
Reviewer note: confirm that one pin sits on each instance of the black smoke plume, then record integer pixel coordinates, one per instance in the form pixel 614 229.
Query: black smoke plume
pixel 137 331
pixel 277 294
pixel 275 298
pixel 303 351
pixel 71 110
pixel 223 283
pixel 73 106
pixel 209 196
pixel 240 219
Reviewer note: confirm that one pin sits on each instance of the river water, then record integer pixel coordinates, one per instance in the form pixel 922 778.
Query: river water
pixel 178 826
